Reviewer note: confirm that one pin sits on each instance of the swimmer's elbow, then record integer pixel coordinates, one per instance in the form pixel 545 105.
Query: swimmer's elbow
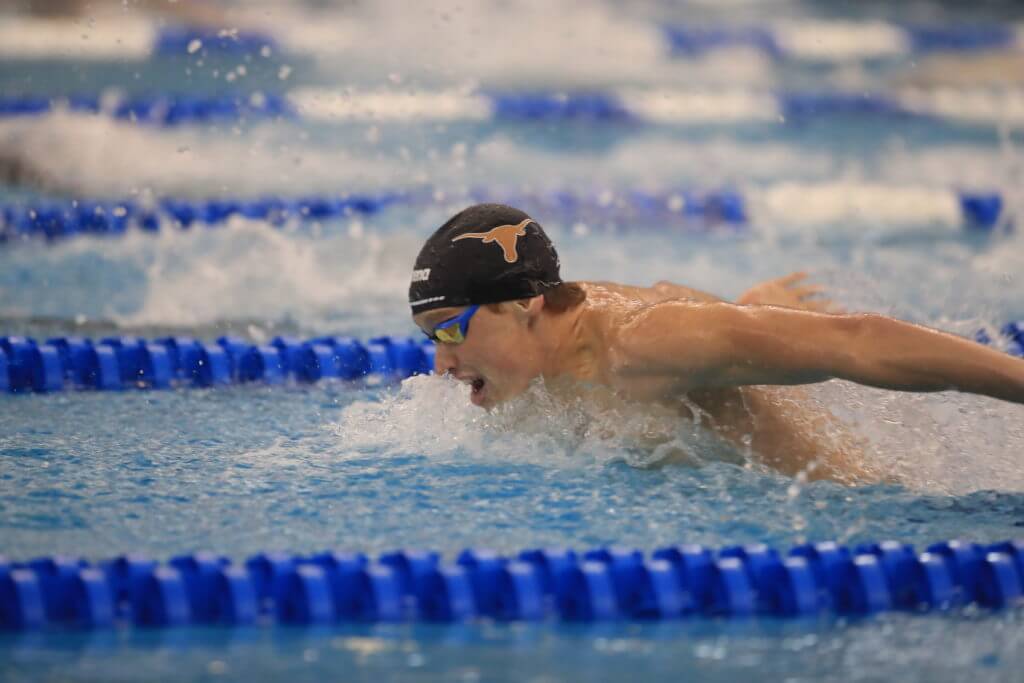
pixel 785 346
pixel 893 354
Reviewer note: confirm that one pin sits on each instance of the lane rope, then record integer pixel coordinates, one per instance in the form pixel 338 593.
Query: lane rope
pixel 936 210
pixel 118 363
pixel 635 106
pixel 123 38
pixel 838 41
pixel 545 584
pixel 807 41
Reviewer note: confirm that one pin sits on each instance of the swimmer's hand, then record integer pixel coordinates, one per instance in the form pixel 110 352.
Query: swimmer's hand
pixel 673 347
pixel 791 291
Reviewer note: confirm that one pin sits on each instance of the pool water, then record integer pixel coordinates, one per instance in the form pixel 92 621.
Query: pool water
pixel 304 468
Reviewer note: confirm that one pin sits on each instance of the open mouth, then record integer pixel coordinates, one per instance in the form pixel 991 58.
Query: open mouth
pixel 478 386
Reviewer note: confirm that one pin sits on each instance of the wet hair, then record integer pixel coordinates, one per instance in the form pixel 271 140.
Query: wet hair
pixel 564 297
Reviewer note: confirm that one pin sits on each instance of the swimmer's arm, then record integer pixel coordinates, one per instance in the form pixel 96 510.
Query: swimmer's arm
pixel 721 344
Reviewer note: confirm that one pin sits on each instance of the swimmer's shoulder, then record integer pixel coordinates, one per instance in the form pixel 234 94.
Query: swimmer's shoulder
pixel 614 309
pixel 608 292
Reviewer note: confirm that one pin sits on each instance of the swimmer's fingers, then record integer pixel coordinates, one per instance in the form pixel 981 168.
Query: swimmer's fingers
pixel 819 305
pixel 833 307
pixel 791 279
pixel 807 291
pixel 823 305
pixel 812 298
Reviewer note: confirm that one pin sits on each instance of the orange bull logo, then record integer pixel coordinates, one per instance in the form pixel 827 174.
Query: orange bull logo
pixel 505 235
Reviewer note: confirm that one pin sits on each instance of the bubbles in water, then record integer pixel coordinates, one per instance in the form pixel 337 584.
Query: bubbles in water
pixel 940 443
pixel 433 416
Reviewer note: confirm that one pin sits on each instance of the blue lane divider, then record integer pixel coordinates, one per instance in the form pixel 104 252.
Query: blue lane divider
pixel 859 41
pixel 793 40
pixel 164 110
pixel 116 363
pixel 680 107
pixel 57 220
pixel 696 211
pixel 694 41
pixel 601 584
pixel 179 40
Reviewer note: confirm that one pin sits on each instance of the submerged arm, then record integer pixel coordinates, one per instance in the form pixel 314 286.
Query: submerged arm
pixel 721 344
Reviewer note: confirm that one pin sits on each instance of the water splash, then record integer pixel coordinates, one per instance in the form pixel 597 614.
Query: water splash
pixel 92 155
pixel 250 270
pixel 439 42
pixel 936 443
pixel 557 425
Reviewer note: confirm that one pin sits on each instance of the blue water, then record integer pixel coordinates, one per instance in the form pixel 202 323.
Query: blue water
pixel 244 470
pixel 300 468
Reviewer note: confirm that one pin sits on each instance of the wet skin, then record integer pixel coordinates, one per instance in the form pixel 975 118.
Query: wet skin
pixel 731 366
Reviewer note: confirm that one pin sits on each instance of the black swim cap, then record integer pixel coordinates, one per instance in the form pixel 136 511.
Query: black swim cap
pixel 482 255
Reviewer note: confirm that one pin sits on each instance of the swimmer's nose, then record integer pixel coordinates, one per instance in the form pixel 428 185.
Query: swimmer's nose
pixel 444 360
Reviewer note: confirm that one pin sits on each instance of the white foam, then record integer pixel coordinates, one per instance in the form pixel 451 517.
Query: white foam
pixel 528 43
pixel 980 106
pixel 825 204
pixel 105 37
pixel 319 104
pixel 700 106
pixel 304 32
pixel 432 416
pixel 941 443
pixel 94 155
pixel 721 106
pixel 840 41
pixel 918 440
pixel 250 271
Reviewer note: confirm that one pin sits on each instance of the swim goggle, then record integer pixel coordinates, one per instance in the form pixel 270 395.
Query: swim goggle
pixel 453 330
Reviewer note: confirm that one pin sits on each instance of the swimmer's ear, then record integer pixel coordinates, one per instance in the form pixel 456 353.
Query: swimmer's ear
pixel 525 310
pixel 530 308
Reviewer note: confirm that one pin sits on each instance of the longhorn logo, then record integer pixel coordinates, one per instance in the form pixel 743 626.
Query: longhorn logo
pixel 505 235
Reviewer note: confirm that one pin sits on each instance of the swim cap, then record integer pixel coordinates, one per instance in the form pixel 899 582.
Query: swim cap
pixel 484 254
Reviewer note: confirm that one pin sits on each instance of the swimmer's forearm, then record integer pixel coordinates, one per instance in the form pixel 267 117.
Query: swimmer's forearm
pixel 893 354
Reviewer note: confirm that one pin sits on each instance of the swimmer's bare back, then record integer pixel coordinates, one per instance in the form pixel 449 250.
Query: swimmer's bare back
pixel 740 362
pixel 774 424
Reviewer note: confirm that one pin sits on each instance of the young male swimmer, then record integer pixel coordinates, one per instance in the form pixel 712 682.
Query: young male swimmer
pixel 486 287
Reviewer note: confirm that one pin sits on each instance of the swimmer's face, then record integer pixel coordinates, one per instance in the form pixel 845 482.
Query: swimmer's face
pixel 498 357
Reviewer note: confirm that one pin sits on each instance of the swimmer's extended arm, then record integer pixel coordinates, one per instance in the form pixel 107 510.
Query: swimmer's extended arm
pixel 721 344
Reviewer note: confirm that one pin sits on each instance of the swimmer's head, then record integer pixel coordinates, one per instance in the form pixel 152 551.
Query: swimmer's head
pixel 499 260
pixel 485 254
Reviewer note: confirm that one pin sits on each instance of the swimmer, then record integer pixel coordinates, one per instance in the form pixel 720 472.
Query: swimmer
pixel 486 288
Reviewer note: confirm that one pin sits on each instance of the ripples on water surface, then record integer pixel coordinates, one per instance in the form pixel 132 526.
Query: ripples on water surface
pixel 302 468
